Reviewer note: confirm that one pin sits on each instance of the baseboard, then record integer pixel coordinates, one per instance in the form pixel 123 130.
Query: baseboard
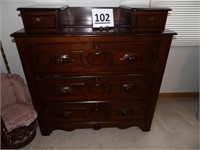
pixel 180 94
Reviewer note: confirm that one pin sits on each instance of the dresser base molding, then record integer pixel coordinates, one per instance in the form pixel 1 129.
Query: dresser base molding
pixel 144 125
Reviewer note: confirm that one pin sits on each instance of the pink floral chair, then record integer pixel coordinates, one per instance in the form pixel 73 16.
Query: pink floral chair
pixel 17 110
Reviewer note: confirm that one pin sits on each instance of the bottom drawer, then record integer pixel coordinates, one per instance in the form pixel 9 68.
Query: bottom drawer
pixel 75 112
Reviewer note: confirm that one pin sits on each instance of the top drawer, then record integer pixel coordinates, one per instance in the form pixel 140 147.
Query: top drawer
pixel 149 20
pixel 113 56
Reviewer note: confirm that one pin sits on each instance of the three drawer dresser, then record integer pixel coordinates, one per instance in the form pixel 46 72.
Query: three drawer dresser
pixel 85 77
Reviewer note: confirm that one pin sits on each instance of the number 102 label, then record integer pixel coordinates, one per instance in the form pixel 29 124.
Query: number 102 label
pixel 102 18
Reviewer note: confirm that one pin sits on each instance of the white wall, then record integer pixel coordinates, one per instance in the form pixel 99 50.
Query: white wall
pixel 2 66
pixel 0 20
pixel 181 74
pixel 182 70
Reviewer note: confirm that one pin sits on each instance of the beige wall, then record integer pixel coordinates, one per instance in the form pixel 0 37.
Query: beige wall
pixel 182 70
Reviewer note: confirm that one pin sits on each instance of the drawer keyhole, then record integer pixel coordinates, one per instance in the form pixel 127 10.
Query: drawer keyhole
pixel 151 18
pixel 38 19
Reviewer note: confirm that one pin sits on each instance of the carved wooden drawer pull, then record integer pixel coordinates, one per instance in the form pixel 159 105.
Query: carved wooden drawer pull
pixel 130 58
pixel 128 87
pixel 67 114
pixel 62 59
pixel 64 91
pixel 125 112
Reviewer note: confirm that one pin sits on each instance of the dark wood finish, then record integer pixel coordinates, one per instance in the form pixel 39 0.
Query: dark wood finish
pixel 38 19
pixel 52 19
pixel 149 21
pixel 88 78
pixel 99 111
pixel 86 88
pixel 123 55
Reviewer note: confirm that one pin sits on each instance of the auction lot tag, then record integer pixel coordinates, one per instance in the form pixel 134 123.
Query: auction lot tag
pixel 102 18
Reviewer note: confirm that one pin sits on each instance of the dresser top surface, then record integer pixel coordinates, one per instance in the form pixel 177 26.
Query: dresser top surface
pixel 44 7
pixel 90 32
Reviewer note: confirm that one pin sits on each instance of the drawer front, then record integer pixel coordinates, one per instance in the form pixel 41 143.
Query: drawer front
pixel 61 112
pixel 150 20
pixel 66 112
pixel 60 57
pixel 40 21
pixel 95 88
pixel 73 57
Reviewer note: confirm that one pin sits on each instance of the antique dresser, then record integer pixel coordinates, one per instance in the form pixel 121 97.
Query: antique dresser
pixel 85 77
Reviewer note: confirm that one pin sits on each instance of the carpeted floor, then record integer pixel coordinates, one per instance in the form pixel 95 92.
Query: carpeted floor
pixel 174 126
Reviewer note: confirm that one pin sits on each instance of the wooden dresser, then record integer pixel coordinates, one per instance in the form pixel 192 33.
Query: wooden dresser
pixel 81 77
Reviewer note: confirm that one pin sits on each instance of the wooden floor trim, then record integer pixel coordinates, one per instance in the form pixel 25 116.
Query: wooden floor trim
pixel 181 94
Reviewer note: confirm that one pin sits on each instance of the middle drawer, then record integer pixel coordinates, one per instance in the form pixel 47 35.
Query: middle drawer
pixel 94 87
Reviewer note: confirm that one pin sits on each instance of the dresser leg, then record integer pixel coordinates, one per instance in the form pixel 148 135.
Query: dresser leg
pixel 145 129
pixel 97 127
pixel 45 132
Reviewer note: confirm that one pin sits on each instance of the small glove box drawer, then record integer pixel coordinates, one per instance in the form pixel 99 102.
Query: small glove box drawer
pixel 152 20
pixel 42 19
